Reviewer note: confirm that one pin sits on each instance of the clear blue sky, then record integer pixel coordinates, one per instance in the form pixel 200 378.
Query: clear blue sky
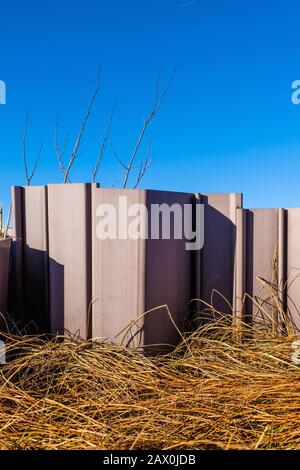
pixel 227 125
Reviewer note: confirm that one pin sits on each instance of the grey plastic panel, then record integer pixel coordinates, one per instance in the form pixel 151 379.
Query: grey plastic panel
pixel 293 264
pixel 69 222
pixel 5 246
pixel 217 259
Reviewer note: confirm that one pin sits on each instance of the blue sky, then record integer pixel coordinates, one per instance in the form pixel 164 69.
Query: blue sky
pixel 227 125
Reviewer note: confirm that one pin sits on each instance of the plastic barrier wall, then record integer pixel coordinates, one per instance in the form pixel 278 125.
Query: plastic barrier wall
pixel 66 278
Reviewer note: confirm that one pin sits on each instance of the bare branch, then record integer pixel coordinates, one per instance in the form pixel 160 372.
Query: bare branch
pixel 8 221
pixel 155 109
pixel 166 90
pixel 36 162
pixel 117 156
pixel 61 152
pixel 144 165
pixel 103 145
pixel 81 131
pixel 114 185
pixel 31 175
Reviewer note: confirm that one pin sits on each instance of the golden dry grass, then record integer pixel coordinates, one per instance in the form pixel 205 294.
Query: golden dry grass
pixel 213 392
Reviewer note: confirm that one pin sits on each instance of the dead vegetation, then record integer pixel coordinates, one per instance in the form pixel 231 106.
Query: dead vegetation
pixel 228 385
pixel 212 392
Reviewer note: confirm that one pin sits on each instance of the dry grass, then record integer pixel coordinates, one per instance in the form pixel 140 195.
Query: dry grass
pixel 213 391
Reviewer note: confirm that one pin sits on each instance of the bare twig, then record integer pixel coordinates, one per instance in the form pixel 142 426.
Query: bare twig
pixel 8 221
pixel 155 109
pixel 103 145
pixel 66 169
pixel 81 130
pixel 60 152
pixel 28 175
pixel 144 166
pixel 117 156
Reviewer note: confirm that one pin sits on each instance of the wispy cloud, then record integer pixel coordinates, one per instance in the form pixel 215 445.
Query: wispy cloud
pixel 187 3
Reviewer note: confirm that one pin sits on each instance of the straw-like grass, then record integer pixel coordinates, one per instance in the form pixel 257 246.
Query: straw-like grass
pixel 213 392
